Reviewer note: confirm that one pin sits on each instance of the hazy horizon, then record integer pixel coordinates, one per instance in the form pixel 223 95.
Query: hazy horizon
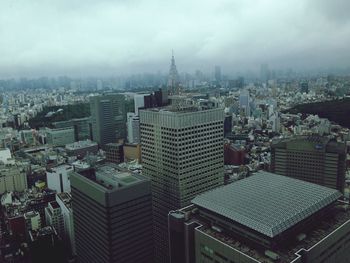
pixel 106 38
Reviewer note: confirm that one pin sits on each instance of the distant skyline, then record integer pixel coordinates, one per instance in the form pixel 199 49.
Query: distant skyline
pixel 106 38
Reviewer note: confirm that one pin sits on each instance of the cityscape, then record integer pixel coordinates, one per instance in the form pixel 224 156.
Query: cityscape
pixel 206 144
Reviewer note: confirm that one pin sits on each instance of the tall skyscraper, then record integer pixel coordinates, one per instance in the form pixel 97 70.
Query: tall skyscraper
pixel 112 216
pixel 244 102
pixel 173 80
pixel 182 153
pixel 264 72
pixel 108 118
pixel 314 159
pixel 133 126
pixel 217 74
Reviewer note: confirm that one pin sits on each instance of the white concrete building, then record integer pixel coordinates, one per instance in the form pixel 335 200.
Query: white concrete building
pixel 64 200
pixel 133 126
pixel 58 178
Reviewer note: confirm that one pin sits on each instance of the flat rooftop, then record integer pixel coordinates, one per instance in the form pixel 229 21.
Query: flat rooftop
pixel 115 177
pixel 80 145
pixel 267 203
pixel 325 227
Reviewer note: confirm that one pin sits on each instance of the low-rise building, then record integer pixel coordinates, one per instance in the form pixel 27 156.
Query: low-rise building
pixel 263 218
pixel 81 148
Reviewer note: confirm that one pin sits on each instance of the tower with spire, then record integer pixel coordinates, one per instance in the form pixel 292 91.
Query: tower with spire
pixel 173 79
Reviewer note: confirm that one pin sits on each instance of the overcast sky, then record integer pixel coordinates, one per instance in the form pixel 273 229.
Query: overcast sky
pixel 93 37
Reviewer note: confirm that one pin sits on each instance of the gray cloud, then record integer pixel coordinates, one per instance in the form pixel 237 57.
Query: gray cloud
pixel 89 37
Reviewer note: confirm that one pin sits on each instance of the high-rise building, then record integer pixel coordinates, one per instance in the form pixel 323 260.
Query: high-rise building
pixel 58 178
pixel 182 153
pixel 263 218
pixel 54 218
pixel 264 72
pixel 64 200
pixel 314 159
pixel 108 118
pixel 81 126
pixel 112 216
pixel 217 74
pixel 173 79
pixel 244 102
pixel 133 126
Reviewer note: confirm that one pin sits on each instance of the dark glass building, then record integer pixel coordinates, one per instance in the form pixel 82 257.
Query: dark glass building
pixel 112 216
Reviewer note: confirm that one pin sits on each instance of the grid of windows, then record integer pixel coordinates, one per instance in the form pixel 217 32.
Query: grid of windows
pixel 183 158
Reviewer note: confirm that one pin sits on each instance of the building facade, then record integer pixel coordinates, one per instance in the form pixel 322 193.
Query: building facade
pixel 263 218
pixel 54 218
pixel 114 152
pixel 133 126
pixel 182 153
pixel 60 137
pixel 314 159
pixel 13 177
pixel 108 118
pixel 64 200
pixel 58 178
pixel 112 216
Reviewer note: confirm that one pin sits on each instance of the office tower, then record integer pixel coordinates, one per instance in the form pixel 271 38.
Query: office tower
pixel 64 200
pixel 82 127
pixel 264 73
pixel 314 159
pixel 263 218
pixel 54 218
pixel 158 98
pixel 139 102
pixel 304 87
pixel 108 118
pixel 182 153
pixel 228 124
pixel 57 178
pixel 217 74
pixel 112 216
pixel 244 102
pixel 173 79
pixel 133 126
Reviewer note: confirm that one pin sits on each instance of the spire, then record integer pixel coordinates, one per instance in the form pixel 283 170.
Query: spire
pixel 173 80
pixel 172 59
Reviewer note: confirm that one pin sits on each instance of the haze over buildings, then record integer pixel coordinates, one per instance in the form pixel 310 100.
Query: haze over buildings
pixel 117 37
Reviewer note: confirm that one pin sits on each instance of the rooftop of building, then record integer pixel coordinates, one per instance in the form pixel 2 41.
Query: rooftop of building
pixel 54 204
pixel 60 129
pixel 319 141
pixel 114 144
pixel 61 167
pixel 324 229
pixel 66 198
pixel 267 203
pixel 336 217
pixel 42 232
pixel 116 175
pixel 80 145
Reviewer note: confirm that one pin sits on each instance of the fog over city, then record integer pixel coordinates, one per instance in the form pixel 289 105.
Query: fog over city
pixel 87 37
